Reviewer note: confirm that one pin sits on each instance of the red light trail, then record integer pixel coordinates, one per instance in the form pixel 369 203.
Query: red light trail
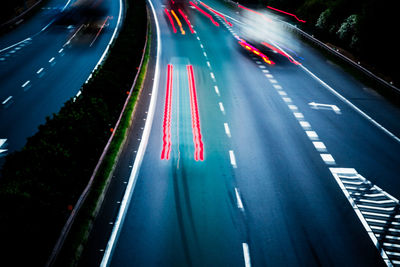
pixel 187 20
pixel 287 13
pixel 255 12
pixel 204 13
pixel 281 52
pixel 198 143
pixel 170 20
pixel 217 13
pixel 166 150
pixel 255 51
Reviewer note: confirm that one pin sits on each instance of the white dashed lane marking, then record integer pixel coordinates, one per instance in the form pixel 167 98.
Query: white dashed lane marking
pixel 227 130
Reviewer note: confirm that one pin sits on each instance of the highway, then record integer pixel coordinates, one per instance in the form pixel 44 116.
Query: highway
pixel 244 163
pixel 43 64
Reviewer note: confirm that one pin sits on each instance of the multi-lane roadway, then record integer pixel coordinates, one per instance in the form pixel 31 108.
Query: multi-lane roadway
pixel 246 163
pixel 44 63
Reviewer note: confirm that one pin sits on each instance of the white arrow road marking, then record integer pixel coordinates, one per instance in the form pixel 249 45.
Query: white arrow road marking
pixel 324 106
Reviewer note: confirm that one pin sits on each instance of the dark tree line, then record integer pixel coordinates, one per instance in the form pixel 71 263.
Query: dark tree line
pixel 40 183
pixel 366 28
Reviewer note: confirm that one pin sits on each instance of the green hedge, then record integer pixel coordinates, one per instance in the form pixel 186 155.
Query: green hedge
pixel 41 181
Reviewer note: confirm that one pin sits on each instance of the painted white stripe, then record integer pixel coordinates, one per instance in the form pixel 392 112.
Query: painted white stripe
pixel 51 59
pixel 40 70
pixel 283 93
pixel 292 107
pixel 26 83
pixel 246 255
pixel 216 90
pixel 312 135
pixel 327 158
pixel 232 158
pixel 5 102
pixel 305 124
pixel 227 130
pixel 61 50
pixel 208 64
pixel 298 115
pixel 221 107
pixel 239 200
pixel 273 81
pixel 287 99
pixel 205 54
pixel 212 75
pixel 277 86
pixel 319 146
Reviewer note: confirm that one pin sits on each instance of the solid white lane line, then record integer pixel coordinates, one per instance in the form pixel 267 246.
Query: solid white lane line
pixel 221 107
pixel 26 83
pixel 232 158
pixel 239 200
pixel 246 255
pixel 216 90
pixel 227 130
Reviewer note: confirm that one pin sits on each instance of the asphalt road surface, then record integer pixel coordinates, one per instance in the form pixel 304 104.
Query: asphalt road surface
pixel 43 64
pixel 249 163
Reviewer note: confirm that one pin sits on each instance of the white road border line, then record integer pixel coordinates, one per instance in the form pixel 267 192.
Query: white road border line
pixel 333 91
pixel 139 155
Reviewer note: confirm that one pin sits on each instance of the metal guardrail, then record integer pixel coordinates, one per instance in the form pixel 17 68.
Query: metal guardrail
pixel 336 53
